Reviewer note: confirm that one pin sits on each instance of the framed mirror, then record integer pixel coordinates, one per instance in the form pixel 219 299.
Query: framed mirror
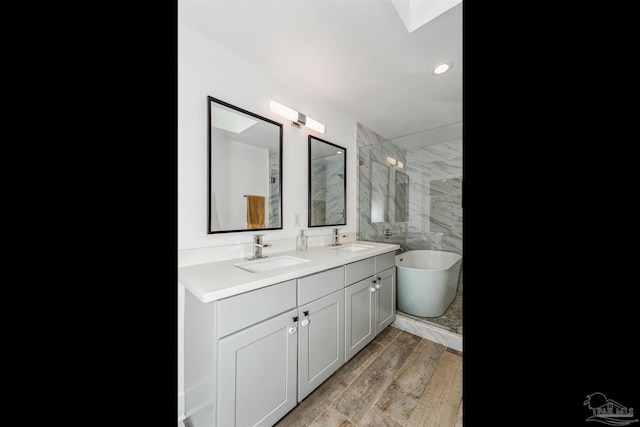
pixel 244 170
pixel 327 183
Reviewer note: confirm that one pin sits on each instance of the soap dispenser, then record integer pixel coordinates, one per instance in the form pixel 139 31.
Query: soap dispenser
pixel 301 241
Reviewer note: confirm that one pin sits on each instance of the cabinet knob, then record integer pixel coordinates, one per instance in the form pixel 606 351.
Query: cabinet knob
pixel 305 322
pixel 292 329
pixel 372 289
pixel 378 286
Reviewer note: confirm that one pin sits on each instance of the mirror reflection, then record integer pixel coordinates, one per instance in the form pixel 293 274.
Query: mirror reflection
pixel 245 170
pixel 327 183
pixel 379 192
pixel 402 197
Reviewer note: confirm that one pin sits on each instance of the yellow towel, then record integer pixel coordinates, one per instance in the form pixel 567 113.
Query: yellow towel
pixel 255 211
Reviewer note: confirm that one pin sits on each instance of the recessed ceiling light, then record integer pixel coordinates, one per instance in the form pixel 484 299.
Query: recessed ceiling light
pixel 442 67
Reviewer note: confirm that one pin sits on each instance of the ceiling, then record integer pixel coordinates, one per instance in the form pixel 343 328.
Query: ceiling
pixel 356 56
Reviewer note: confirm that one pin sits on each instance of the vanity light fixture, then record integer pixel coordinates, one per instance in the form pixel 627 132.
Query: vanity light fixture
pixel 297 119
pixel 442 68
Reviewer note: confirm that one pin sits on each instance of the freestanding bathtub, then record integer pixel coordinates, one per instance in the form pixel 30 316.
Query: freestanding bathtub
pixel 427 281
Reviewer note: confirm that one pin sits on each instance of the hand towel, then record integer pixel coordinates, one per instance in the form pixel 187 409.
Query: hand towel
pixel 255 212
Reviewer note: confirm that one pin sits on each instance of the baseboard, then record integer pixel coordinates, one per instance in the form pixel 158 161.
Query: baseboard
pixel 429 332
pixel 181 416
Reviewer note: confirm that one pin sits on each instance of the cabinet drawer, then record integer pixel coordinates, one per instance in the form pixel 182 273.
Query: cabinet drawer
pixel 239 311
pixel 358 270
pixel 320 284
pixel 385 261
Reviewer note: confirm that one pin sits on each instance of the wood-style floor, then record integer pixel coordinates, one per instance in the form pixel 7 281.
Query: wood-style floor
pixel 399 379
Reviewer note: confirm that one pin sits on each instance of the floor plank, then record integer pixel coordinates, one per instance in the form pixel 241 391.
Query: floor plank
pixel 401 397
pixel 459 416
pixel 387 335
pixel 331 418
pixel 399 379
pixel 376 417
pixel 316 402
pixel 439 404
pixel 362 394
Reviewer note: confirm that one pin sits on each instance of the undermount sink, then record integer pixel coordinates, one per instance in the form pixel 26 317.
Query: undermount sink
pixel 260 265
pixel 352 248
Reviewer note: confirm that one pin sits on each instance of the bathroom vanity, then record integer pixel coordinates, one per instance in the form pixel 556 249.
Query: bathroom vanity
pixel 257 343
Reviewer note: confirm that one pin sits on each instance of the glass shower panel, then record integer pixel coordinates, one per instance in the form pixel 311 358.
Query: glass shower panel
pixel 415 194
pixel 380 217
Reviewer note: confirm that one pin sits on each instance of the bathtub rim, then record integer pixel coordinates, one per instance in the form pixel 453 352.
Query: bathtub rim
pixel 429 269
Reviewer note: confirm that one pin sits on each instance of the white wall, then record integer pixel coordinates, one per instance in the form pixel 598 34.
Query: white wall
pixel 245 177
pixel 206 68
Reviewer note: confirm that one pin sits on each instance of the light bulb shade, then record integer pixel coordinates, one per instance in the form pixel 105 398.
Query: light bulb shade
pixel 296 118
pixel 283 110
pixel 314 125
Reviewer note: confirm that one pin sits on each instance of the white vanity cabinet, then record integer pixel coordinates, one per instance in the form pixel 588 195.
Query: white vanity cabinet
pixel 320 328
pixel 370 300
pixel 257 373
pixel 241 355
pixel 250 357
pixel 385 299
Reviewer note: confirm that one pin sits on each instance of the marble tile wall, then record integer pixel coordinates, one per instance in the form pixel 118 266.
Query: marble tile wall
pixel 377 204
pixel 435 190
pixel 335 194
pixel 319 193
pixel 274 190
pixel 328 193
pixel 434 193
pixel 435 196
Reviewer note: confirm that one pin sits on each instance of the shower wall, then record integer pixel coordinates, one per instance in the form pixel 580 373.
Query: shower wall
pixel 377 189
pixel 274 189
pixel 435 197
pixel 327 189
pixel 419 199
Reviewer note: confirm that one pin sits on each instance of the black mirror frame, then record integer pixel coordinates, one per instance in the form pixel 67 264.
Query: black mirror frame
pixel 211 99
pixel 344 150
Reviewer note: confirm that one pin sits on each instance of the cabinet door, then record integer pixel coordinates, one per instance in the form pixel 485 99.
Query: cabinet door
pixel 385 298
pixel 320 341
pixel 359 300
pixel 257 373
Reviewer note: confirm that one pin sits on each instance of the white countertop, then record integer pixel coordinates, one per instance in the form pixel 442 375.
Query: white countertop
pixel 216 280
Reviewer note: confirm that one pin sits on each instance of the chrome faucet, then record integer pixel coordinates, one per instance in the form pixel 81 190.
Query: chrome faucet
pixel 257 247
pixel 335 238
